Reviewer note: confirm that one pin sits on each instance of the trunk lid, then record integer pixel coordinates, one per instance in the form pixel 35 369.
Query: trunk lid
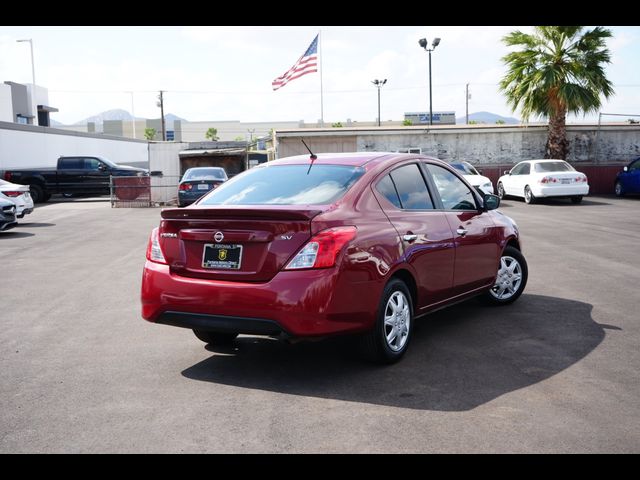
pixel 239 243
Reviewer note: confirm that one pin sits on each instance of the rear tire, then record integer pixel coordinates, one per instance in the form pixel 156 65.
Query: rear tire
pixel 215 338
pixel 37 193
pixel 389 338
pixel 619 190
pixel 576 199
pixel 529 198
pixel 511 279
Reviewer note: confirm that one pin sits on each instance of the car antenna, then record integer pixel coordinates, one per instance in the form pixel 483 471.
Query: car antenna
pixel 312 155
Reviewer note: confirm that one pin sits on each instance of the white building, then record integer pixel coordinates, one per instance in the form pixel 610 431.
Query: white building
pixel 26 104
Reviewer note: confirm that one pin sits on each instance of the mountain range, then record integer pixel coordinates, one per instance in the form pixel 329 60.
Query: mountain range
pixel 486 117
pixel 119 114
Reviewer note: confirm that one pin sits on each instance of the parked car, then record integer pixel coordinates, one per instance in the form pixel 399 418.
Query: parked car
pixel 73 175
pixel 628 180
pixel 474 177
pixel 19 195
pixel 197 181
pixel 342 243
pixel 534 179
pixel 7 215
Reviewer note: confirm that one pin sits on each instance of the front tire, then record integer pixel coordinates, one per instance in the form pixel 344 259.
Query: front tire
pixel 529 198
pixel 619 190
pixel 511 279
pixel 501 193
pixel 389 339
pixel 576 199
pixel 215 338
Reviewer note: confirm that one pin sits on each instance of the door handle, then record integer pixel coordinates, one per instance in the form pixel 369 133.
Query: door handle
pixel 461 231
pixel 409 237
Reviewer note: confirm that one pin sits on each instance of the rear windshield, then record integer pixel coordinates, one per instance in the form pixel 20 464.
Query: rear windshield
pixel 286 185
pixel 553 167
pixel 205 174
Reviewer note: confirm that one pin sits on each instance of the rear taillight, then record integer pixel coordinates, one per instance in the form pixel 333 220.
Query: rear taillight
pixel 548 179
pixel 185 186
pixel 323 249
pixel 154 252
pixel 12 193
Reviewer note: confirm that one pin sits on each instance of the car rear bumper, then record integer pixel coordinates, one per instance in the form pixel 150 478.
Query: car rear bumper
pixel 560 190
pixel 296 303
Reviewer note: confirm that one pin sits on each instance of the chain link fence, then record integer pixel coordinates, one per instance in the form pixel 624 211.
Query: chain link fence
pixel 152 191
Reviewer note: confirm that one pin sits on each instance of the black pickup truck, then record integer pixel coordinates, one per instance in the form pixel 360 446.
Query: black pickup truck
pixel 74 175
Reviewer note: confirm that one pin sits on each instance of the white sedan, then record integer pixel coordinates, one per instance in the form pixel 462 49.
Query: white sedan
pixel 19 195
pixel 543 178
pixel 472 176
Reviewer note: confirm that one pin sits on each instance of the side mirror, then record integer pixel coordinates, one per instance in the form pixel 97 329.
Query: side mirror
pixel 625 169
pixel 507 172
pixel 491 202
pixel 102 167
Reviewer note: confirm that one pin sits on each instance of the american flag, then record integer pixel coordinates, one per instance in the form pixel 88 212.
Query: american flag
pixel 307 63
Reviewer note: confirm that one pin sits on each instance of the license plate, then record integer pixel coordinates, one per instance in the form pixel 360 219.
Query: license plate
pixel 222 256
pixel 566 181
pixel 203 186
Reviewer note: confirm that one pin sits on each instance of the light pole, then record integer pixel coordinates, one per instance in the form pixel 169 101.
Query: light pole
pixel 424 44
pixel 33 68
pixel 379 84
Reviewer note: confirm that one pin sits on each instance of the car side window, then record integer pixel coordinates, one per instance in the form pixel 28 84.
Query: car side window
pixel 91 164
pixel 526 169
pixel 454 193
pixel 635 166
pixel 388 190
pixel 411 188
pixel 70 164
pixel 517 169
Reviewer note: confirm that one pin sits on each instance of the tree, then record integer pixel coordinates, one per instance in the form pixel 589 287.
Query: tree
pixel 557 70
pixel 407 122
pixel 337 125
pixel 212 134
pixel 239 138
pixel 150 133
pixel 499 122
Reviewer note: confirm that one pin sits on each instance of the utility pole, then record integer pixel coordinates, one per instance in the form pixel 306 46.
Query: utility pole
pixel 467 102
pixel 161 105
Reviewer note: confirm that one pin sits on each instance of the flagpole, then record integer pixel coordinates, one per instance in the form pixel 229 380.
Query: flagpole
pixel 321 68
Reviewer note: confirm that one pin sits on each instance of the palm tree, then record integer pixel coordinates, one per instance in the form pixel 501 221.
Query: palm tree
pixel 557 70
pixel 212 134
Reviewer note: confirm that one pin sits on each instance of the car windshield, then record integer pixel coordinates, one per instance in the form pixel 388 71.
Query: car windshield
pixel 286 185
pixel 553 167
pixel 205 174
pixel 108 162
pixel 465 168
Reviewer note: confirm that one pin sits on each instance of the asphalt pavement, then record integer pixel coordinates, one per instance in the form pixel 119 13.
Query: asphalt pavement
pixel 557 371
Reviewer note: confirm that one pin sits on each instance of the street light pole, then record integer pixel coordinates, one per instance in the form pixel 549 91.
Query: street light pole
pixel 379 84
pixel 33 68
pixel 424 44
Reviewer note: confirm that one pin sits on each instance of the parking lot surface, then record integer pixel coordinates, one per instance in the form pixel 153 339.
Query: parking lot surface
pixel 557 371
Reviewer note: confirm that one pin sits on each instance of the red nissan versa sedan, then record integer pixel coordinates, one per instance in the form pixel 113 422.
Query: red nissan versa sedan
pixel 339 243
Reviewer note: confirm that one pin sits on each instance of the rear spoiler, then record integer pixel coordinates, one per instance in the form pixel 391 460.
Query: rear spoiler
pixel 232 211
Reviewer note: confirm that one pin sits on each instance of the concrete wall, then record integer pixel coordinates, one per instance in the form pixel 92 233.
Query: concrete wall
pixel 165 157
pixel 27 146
pixel 6 107
pixel 500 145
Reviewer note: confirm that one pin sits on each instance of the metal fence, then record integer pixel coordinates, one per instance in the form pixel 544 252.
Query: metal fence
pixel 153 191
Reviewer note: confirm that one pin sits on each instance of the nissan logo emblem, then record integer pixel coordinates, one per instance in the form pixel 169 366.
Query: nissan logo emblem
pixel 218 236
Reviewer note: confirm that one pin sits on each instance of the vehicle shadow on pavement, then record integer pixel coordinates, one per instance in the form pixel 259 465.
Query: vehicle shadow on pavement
pixel 14 234
pixel 460 358
pixel 36 224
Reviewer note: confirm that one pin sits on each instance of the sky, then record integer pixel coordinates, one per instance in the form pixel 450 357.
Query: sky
pixel 225 73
